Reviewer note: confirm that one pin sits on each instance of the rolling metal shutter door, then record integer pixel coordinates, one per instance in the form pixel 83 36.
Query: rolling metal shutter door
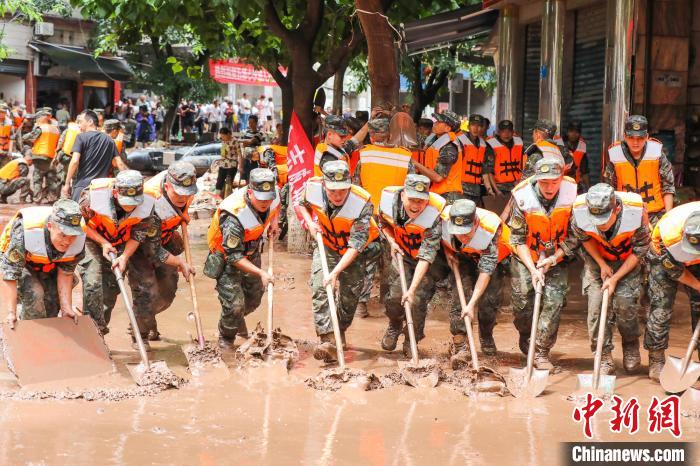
pixel 531 81
pixel 589 81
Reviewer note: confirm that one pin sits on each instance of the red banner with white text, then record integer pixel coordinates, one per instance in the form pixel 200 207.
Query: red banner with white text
pixel 234 72
pixel 300 160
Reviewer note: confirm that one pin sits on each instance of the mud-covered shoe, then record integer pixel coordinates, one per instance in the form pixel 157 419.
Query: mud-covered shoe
pixel 542 360
pixel 631 359
pixel 391 336
pixel 226 344
pixel 488 345
pixel 657 359
pixel 607 364
pixel 460 353
pixel 524 343
pixel 243 329
pixel 326 350
pixel 135 345
pixel 153 335
pixel 362 311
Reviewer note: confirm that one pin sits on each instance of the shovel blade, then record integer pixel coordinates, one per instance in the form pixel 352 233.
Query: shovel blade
pixel 522 387
pixel 425 374
pixel 158 373
pixel 606 384
pixel 672 378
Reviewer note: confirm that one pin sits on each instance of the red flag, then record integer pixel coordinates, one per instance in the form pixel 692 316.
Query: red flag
pixel 300 161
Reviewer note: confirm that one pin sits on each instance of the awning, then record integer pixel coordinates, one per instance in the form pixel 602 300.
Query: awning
pixel 441 30
pixel 81 60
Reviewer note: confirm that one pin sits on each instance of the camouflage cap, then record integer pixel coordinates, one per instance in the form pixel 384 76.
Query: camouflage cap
pixel 546 126
pixel 40 112
pixel 336 174
pixel 549 168
pixel 129 185
pixel 111 125
pixel 99 111
pixel 462 215
pixel 262 182
pixel 66 214
pixel 378 125
pixel 417 186
pixel 451 118
pixel 636 125
pixel 691 234
pixel 476 119
pixel 337 124
pixel 183 177
pixel 505 124
pixel 601 201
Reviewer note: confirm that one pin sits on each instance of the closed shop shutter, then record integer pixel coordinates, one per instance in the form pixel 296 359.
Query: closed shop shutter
pixel 531 81
pixel 589 81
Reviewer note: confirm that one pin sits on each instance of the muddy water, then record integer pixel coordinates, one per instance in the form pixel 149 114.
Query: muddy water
pixel 264 415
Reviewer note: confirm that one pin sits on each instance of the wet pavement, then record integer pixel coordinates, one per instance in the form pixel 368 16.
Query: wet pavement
pixel 265 415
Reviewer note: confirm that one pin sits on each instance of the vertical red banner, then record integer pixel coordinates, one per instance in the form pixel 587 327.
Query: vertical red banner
pixel 300 160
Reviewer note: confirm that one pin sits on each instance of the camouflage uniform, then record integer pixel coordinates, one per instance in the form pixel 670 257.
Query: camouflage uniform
pixel 534 154
pixel 43 170
pixel 21 184
pixel 490 165
pixel 268 161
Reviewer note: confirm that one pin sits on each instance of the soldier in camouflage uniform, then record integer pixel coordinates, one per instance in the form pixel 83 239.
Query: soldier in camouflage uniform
pixel 343 215
pixel 15 177
pixel 268 160
pixel 235 242
pixel 6 135
pixel 614 230
pixel 39 251
pixel 44 137
pixel 539 223
pixel 119 219
pixel 62 159
pixel 674 258
pixel 410 217
pixel 543 146
pixel 476 241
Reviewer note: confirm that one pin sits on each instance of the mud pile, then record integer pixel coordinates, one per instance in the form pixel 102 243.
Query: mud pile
pixel 256 348
pixel 334 379
pixel 200 357
pixel 158 374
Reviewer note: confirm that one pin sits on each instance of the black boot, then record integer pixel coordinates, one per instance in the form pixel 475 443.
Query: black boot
pixel 391 336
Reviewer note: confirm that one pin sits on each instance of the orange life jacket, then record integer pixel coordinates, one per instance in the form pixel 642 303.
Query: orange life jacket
pixel 170 216
pixel 236 205
pixel 71 133
pixel 35 248
pixel 381 167
pixel 410 236
pixel 645 179
pixel 354 160
pixel 336 229
pixel 669 232
pixel 321 148
pixel 280 161
pixel 472 160
pixel 489 223
pixel 548 150
pixel 17 120
pixel 102 204
pixel 618 248
pixel 5 135
pixel 507 162
pixel 545 230
pixel 578 154
pixel 119 142
pixel 11 170
pixel 45 144
pixel 453 180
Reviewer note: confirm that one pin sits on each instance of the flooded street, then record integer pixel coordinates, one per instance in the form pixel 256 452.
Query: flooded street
pixel 264 415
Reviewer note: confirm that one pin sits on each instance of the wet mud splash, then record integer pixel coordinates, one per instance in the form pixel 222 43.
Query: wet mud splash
pixel 485 382
pixel 158 374
pixel 201 357
pixel 426 373
pixel 335 379
pixel 256 349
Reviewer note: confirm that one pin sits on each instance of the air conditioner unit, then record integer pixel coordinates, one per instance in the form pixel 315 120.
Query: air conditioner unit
pixel 43 29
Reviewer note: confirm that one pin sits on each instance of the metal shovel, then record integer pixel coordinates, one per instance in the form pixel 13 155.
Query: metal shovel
pixel 331 303
pixel 596 383
pixel 193 290
pixel 528 381
pixel 680 374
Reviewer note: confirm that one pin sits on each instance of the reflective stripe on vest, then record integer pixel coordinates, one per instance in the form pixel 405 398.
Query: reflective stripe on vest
pixel 69 139
pixel 507 162
pixel 473 161
pixel 11 170
pixel 382 167
pixel 453 181
pixel 163 208
pixel 545 230
pixel 618 248
pixel 645 179
pixel 5 134
pixel 33 221
pixel 489 223
pixel 410 236
pixel 320 150
pixel 336 230
pixel 669 230
pixel 45 144
pixel 577 154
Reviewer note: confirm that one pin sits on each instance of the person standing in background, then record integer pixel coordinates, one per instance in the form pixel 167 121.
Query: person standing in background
pixel 63 117
pixel 271 113
pixel 244 109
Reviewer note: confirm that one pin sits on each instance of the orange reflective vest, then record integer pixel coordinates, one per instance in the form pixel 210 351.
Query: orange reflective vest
pixel 577 155
pixel 236 205
pixel 410 236
pixel 489 223
pixel 35 248
pixel 548 150
pixel 119 142
pixel 71 133
pixel 322 148
pixel 453 181
pixel 5 135
pixel 170 216
pixel 45 144
pixel 11 170
pixel 618 248
pixel 336 230
pixel 280 161
pixel 472 160
pixel 644 179
pixel 381 167
pixel 17 120
pixel 114 230
pixel 669 232
pixel 507 167
pixel 354 160
pixel 545 230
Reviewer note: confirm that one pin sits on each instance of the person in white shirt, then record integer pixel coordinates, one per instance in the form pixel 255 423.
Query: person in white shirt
pixel 244 110
pixel 212 113
pixel 222 114
pixel 270 123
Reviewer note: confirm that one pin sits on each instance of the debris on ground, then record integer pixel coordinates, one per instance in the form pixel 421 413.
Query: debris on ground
pixel 486 382
pixel 199 357
pixel 256 348
pixel 158 373
pixel 204 205
pixel 426 373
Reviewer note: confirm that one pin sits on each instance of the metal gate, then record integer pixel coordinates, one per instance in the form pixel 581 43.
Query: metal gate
pixel 531 81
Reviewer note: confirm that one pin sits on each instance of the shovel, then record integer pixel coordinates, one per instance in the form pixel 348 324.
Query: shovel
pixel 421 374
pixel 487 379
pixel 138 371
pixel 596 383
pixel 193 290
pixel 680 374
pixel 528 381
pixel 331 303
pixel 270 256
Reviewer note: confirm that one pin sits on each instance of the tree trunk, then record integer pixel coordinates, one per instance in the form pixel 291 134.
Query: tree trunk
pixel 381 51
pixel 338 82
pixel 304 84
pixel 170 114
